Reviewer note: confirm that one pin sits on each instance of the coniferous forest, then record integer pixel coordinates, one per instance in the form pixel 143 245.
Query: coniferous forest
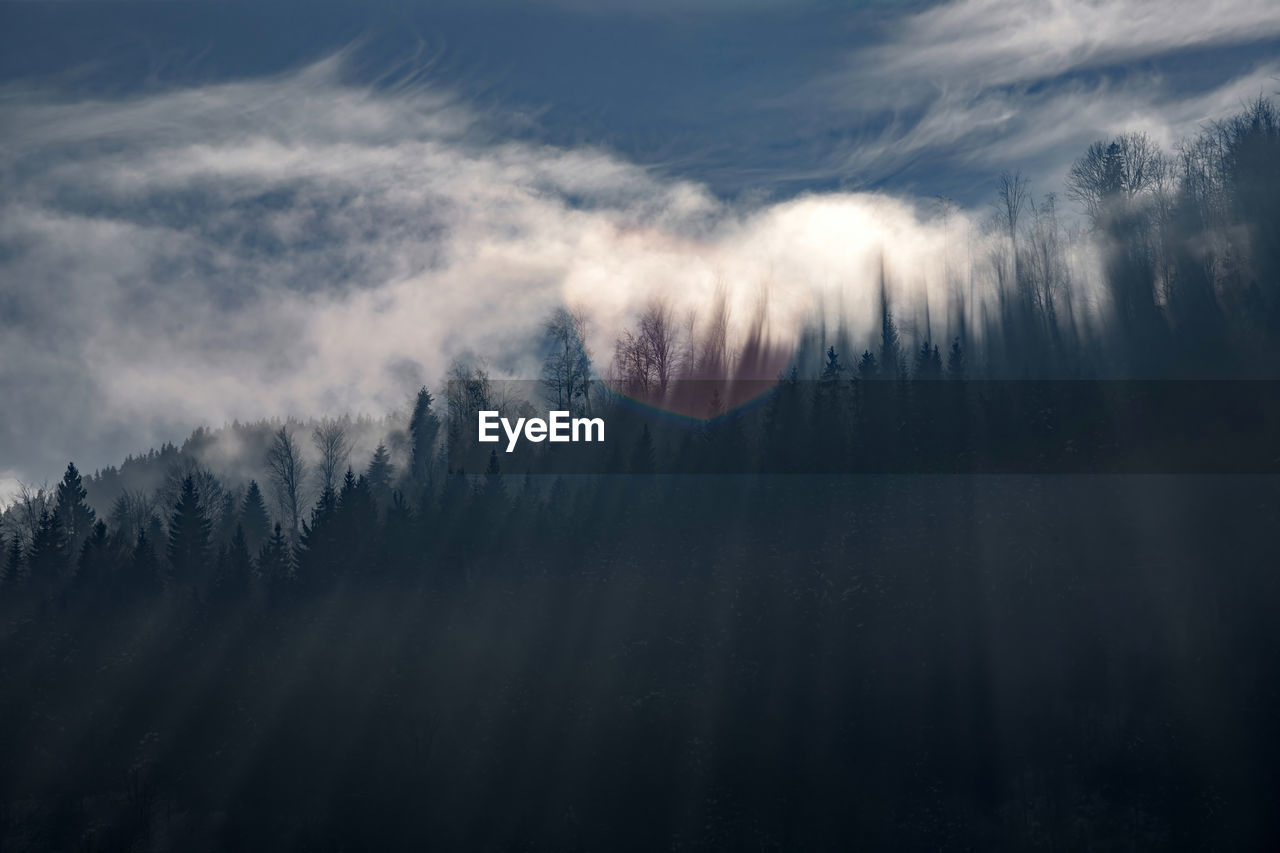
pixel 1010 588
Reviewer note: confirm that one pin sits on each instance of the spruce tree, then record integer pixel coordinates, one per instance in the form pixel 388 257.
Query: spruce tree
pixel 424 426
pixel 356 525
pixel 928 362
pixel 236 568
pixel 47 560
pixel 254 519
pixel 74 513
pixel 318 547
pixel 95 559
pixel 13 567
pixel 380 474
pixel 867 368
pixel 274 561
pixel 189 528
pixel 955 361
pixel 833 369
pixel 144 566
pixel 4 565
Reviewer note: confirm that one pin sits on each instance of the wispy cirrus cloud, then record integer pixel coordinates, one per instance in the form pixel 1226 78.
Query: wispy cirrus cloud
pixel 993 84
pixel 985 43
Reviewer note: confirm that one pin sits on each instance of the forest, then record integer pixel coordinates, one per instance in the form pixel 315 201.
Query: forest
pixel 1001 576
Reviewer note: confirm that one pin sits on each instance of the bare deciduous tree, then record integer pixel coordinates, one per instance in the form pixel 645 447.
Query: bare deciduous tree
pixel 566 371
pixel 287 471
pixel 333 446
pixel 23 515
pixel 1121 170
pixel 1012 194
pixel 646 360
pixel 133 511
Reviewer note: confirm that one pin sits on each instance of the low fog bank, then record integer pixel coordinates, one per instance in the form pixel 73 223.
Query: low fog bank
pixel 302 247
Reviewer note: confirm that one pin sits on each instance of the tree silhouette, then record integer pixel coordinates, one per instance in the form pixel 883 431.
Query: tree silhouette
pixel 95 563
pixel 424 427
pixel 833 369
pixel 380 474
pixel 235 569
pixel 955 361
pixel 642 457
pixel 274 561
pixel 144 573
pixel 47 560
pixel 254 520
pixel 288 473
pixel 74 512
pixel 189 529
pixel 13 562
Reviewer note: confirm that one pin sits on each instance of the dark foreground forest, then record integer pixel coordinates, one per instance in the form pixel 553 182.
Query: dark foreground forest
pixel 908 599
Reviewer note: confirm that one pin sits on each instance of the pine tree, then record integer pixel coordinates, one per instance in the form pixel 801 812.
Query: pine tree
pixel 74 513
pixel 254 519
pixel 189 528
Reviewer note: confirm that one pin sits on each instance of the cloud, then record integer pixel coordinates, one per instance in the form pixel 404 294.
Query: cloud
pixel 298 245
pixel 985 85
pixel 996 42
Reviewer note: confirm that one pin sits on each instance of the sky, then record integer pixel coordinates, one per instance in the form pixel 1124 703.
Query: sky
pixel 241 210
